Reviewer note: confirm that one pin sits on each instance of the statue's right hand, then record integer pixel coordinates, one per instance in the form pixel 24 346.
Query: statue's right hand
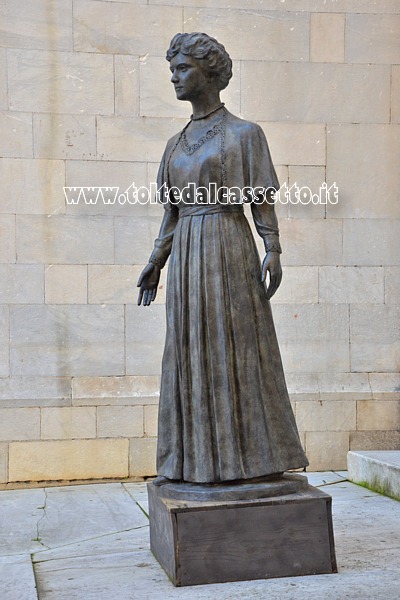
pixel 148 283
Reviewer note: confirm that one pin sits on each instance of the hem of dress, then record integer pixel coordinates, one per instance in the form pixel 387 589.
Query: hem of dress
pixel 279 471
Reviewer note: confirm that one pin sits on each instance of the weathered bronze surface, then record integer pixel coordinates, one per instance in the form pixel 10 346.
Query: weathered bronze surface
pixel 224 411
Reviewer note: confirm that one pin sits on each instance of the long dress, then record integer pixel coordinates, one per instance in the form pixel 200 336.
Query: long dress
pixel 224 410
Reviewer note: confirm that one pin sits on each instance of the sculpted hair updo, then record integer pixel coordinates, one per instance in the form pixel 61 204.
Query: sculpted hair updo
pixel 215 59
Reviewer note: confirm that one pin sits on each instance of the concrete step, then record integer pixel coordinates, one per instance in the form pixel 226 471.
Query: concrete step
pixel 378 470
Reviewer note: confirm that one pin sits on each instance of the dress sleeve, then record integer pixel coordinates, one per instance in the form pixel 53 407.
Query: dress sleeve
pixel 266 223
pixel 262 175
pixel 163 243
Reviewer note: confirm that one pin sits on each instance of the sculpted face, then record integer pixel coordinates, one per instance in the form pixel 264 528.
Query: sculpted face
pixel 189 77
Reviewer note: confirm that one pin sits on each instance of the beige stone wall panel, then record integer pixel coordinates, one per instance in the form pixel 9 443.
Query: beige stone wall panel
pixel 124 28
pixel 385 386
pixel 3 462
pixel 3 80
pixel 115 401
pixel 344 386
pixel 40 24
pixel 378 415
pixel 313 338
pixel 347 285
pixel 139 2
pixel 311 242
pixel 281 35
pixel 106 173
pixel 327 450
pixel 60 82
pixel 64 136
pixel 374 334
pixel 136 139
pixel 4 342
pixel 327 37
pixel 32 186
pixel 302 386
pixel 395 98
pixel 66 284
pixel 324 6
pixel 135 386
pixel 134 239
pixel 111 174
pixel 34 391
pixel 371 242
pixel 67 340
pixel 326 416
pixel 126 81
pixel 65 239
pixel 151 420
pixel 333 92
pixel 69 459
pixel 68 423
pixel 144 339
pixel 303 322
pixel 16 135
pixel 295 143
pixel 373 38
pixel 363 162
pixel 21 284
pixel 299 286
pixel 120 421
pixel 19 424
pixel 7 239
pixel 332 386
pixel 392 285
pixel 142 457
pixel 371 440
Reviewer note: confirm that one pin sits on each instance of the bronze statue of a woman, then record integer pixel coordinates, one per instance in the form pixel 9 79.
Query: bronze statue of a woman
pixel 224 412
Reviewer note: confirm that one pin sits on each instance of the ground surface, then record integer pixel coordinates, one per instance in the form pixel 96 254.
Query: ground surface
pixel 91 542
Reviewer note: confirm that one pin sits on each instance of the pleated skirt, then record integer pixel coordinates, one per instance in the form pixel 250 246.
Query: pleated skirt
pixel 224 411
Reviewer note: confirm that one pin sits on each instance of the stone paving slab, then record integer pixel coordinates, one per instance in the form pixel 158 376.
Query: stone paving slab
pixel 20 512
pixel 137 576
pixel 76 513
pixel 100 548
pixel 345 491
pixel 380 560
pixel 343 474
pixel 138 491
pixel 112 543
pixel 17 580
pixel 325 478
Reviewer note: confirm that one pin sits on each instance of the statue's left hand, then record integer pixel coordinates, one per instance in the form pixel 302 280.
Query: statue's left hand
pixel 272 265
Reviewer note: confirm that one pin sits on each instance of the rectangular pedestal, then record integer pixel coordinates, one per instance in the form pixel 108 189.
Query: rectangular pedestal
pixel 215 542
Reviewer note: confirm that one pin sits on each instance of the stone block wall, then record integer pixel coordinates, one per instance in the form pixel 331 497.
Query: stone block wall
pixel 85 100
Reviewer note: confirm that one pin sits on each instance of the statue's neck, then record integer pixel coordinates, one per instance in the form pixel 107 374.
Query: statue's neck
pixel 203 105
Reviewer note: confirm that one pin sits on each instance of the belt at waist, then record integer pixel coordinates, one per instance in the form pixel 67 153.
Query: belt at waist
pixel 209 209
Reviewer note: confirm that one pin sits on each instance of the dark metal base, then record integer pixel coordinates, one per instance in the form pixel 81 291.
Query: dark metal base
pixel 215 541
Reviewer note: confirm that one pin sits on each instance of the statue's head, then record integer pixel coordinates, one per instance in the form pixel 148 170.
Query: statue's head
pixel 211 54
